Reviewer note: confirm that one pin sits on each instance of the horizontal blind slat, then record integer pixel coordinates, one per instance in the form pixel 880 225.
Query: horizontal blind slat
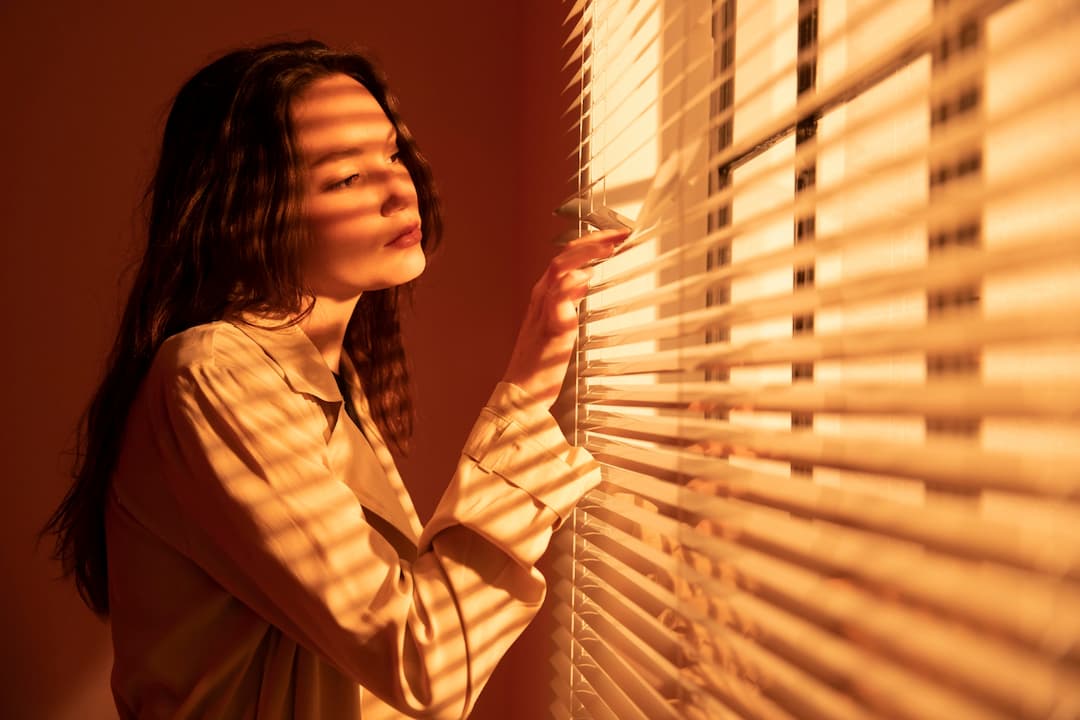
pixel 614 103
pixel 908 212
pixel 947 269
pixel 588 699
pixel 1023 685
pixel 694 63
pixel 1047 620
pixel 581 688
pixel 868 73
pixel 693 687
pixel 960 332
pixel 774 677
pixel 954 144
pixel 964 535
pixel 782 648
pixel 742 695
pixel 620 651
pixel 940 398
pixel 956 463
pixel 578 692
pixel 596 659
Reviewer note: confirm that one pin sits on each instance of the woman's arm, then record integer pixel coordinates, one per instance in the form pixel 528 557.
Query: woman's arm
pixel 265 517
pixel 255 503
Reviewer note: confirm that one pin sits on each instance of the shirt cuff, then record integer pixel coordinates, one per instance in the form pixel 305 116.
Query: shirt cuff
pixel 518 439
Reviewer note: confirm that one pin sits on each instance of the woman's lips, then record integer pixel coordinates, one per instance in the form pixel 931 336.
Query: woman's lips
pixel 410 237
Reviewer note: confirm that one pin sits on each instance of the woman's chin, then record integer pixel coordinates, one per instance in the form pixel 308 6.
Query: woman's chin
pixel 408 266
pixel 413 263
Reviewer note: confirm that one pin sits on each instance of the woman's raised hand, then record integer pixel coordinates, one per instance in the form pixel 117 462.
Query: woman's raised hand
pixel 546 339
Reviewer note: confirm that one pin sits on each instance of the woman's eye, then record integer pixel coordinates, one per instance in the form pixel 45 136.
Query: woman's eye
pixel 396 158
pixel 346 182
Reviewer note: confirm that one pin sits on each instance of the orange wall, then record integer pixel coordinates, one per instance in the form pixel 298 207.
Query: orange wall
pixel 85 92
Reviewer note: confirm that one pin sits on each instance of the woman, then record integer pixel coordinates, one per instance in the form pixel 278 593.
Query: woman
pixel 236 510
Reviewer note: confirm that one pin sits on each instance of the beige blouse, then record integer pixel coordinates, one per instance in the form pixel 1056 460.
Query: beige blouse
pixel 266 561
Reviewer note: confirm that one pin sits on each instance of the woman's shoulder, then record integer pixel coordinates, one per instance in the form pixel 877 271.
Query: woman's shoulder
pixel 214 350
pixel 222 372
pixel 262 355
pixel 219 343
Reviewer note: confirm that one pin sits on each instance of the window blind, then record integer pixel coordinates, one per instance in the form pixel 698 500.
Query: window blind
pixel 833 377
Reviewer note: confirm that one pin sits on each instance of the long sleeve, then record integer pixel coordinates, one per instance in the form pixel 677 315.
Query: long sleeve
pixel 251 498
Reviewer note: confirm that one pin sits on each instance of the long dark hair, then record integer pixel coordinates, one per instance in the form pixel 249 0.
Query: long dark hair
pixel 225 235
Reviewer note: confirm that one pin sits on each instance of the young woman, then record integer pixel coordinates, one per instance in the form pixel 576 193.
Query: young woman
pixel 236 510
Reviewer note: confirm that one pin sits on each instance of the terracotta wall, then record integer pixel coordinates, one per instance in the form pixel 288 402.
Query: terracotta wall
pixel 85 92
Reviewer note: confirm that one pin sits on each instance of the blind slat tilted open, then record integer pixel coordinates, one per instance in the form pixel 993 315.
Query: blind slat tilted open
pixel 833 377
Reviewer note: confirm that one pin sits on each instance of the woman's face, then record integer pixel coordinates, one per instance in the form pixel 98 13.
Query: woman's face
pixel 360 204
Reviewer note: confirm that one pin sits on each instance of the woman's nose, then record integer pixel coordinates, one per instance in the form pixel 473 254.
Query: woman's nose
pixel 400 193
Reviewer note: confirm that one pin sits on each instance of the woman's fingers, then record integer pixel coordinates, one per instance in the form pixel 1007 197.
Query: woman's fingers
pixel 567 279
pixel 577 255
pixel 546 339
pixel 567 291
pixel 573 283
pixel 599 235
pixel 594 246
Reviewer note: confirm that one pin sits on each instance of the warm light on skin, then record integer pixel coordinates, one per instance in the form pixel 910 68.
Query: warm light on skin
pixel 359 199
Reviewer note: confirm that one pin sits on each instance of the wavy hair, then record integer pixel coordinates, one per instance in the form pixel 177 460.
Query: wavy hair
pixel 226 234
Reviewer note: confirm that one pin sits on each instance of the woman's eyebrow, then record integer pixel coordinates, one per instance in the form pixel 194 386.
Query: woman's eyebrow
pixel 337 154
pixel 351 150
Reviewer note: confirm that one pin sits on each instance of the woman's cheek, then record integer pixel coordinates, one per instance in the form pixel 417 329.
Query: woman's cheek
pixel 340 223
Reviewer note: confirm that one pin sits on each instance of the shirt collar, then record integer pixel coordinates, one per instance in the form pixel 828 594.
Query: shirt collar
pixel 290 347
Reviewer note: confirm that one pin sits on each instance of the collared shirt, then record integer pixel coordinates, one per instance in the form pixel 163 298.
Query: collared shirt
pixel 266 561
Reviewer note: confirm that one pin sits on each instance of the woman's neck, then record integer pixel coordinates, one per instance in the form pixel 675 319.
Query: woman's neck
pixel 325 326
